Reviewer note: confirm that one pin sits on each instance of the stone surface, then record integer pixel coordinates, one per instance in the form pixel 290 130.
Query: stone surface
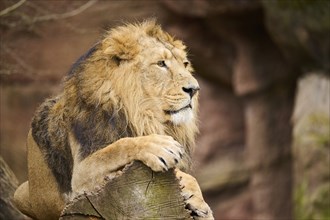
pixel 18 103
pixel 268 142
pixel 302 31
pixel 207 8
pixel 311 148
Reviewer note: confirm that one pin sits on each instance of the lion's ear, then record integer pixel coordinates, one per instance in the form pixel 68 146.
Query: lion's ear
pixel 117 60
pixel 121 48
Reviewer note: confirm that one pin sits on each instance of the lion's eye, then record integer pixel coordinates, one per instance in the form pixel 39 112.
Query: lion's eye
pixel 186 63
pixel 161 63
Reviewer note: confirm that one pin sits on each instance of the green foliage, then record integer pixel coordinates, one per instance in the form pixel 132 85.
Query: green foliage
pixel 312 191
pixel 315 207
pixel 321 202
pixel 320 129
pixel 301 202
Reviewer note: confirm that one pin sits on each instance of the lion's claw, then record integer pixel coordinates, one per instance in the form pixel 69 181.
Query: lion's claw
pixel 193 196
pixel 160 152
pixel 198 207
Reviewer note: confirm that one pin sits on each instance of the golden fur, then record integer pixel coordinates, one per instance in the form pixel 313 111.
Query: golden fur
pixel 124 88
pixel 132 97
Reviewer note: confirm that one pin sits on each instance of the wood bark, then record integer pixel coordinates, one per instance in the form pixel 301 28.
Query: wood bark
pixel 137 193
pixel 8 185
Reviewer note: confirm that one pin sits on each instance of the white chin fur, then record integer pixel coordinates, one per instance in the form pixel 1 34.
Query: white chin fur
pixel 182 117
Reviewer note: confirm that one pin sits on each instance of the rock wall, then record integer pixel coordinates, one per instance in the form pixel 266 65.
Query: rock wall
pixel 311 148
pixel 248 56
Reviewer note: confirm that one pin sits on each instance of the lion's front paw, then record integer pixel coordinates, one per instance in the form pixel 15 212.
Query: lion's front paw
pixel 159 152
pixel 198 207
pixel 193 196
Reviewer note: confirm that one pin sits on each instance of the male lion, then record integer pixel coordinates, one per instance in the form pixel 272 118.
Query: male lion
pixel 131 97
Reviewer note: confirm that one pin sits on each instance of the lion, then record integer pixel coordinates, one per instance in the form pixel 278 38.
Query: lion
pixel 131 97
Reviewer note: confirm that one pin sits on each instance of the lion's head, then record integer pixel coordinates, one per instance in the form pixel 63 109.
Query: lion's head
pixel 143 72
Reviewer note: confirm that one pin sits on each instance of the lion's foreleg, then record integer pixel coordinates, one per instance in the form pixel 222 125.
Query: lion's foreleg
pixel 159 152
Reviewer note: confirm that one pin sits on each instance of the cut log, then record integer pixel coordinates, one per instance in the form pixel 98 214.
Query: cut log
pixel 137 193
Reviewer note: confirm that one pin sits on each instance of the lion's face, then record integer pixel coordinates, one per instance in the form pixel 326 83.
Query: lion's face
pixel 166 76
pixel 145 72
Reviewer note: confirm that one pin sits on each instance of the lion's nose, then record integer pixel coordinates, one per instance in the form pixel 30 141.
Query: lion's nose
pixel 191 90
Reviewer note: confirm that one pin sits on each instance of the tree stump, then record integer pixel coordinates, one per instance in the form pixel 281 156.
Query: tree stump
pixel 137 193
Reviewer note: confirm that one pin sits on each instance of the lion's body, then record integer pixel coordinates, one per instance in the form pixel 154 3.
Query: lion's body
pixel 118 104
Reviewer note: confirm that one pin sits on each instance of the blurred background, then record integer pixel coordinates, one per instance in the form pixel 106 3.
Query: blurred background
pixel 263 66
